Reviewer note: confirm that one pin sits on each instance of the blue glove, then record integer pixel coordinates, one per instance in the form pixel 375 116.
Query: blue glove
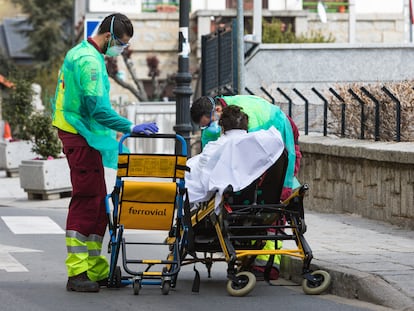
pixel 146 128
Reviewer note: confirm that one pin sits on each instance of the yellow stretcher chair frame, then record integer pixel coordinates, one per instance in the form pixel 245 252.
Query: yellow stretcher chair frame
pixel 237 228
pixel 143 200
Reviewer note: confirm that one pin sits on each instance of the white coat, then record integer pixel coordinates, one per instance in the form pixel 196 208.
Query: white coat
pixel 237 158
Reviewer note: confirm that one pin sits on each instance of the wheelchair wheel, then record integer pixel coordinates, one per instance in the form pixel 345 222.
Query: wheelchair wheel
pixel 136 286
pixel 118 277
pixel 322 282
pixel 165 288
pixel 245 283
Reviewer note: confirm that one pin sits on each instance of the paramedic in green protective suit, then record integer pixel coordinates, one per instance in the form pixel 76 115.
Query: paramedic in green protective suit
pixel 206 112
pixel 87 126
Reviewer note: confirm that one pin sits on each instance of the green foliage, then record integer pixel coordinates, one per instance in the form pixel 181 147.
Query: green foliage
pixel 44 136
pixel 17 106
pixel 276 31
pixel 6 65
pixel 315 37
pixel 17 109
pixel 51 33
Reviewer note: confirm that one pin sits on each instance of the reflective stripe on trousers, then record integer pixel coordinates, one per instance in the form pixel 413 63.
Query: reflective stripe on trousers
pixel 84 254
pixel 262 260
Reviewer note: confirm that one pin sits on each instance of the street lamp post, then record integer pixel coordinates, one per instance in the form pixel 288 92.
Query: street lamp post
pixel 240 47
pixel 183 78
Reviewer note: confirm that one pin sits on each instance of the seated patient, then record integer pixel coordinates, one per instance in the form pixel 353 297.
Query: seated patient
pixel 237 158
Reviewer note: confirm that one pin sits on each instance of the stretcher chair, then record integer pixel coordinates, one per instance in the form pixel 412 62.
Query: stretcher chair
pixel 148 195
pixel 236 234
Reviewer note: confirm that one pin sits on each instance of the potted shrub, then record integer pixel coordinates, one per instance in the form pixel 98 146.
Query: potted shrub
pixel 48 175
pixel 16 107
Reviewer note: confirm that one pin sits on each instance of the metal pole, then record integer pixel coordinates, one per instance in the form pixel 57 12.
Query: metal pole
pixel 325 111
pixel 306 109
pixel 362 114
pixel 240 47
pixel 183 89
pixel 397 113
pixel 377 112
pixel 343 109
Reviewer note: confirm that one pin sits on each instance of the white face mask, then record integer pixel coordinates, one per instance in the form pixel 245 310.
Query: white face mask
pixel 115 50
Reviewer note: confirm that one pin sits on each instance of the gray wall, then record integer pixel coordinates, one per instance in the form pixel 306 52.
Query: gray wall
pixel 371 179
pixel 319 65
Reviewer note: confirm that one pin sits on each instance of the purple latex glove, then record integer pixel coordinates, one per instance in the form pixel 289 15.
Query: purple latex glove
pixel 146 128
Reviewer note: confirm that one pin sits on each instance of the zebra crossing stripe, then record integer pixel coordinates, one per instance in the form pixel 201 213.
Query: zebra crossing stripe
pixel 8 262
pixel 32 225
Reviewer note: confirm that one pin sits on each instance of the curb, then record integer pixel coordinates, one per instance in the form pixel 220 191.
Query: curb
pixel 350 283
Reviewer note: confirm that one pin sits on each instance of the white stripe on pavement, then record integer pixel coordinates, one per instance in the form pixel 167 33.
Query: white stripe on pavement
pixel 8 262
pixel 32 225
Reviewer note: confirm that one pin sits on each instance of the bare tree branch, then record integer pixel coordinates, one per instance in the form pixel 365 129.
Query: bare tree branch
pixel 129 87
pixel 139 85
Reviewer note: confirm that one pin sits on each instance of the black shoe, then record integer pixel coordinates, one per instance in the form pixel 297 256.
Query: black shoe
pixel 81 283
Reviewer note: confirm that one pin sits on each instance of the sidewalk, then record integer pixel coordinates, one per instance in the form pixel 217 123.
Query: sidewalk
pixel 368 260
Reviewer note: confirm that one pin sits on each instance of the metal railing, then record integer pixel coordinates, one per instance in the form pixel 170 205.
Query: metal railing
pixel 367 101
pixel 219 61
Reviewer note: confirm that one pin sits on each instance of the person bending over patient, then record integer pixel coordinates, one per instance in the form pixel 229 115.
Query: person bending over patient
pixel 237 158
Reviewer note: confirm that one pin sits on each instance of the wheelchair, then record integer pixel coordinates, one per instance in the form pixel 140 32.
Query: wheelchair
pixel 236 233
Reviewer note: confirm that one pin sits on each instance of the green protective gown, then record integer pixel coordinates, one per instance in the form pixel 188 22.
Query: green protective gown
pixel 82 104
pixel 263 115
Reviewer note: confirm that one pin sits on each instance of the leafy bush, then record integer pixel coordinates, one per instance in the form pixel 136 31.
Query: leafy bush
pixel 44 136
pixel 17 107
pixel 277 31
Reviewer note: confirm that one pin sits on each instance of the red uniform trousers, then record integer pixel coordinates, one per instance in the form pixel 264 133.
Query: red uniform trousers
pixel 87 213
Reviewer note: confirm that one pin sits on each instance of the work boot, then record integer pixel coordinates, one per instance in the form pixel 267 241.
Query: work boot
pixel 81 283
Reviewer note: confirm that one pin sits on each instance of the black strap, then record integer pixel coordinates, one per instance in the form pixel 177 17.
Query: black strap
pixel 115 193
pixel 268 268
pixel 269 265
pixel 196 281
pixel 187 222
pixel 183 167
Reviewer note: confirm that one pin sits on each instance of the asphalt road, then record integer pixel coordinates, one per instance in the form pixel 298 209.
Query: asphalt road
pixel 33 277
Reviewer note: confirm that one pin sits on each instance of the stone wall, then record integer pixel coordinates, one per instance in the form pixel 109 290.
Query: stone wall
pixel 369 28
pixel 371 179
pixel 157 34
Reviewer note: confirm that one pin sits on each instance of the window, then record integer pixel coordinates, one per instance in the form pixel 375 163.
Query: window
pixel 151 5
pixel 248 4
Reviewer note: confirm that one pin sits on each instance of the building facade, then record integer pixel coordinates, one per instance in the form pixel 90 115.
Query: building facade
pixel 156 26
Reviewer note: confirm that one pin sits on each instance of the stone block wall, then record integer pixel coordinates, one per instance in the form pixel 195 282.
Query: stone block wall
pixel 371 179
pixel 369 28
pixel 157 34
